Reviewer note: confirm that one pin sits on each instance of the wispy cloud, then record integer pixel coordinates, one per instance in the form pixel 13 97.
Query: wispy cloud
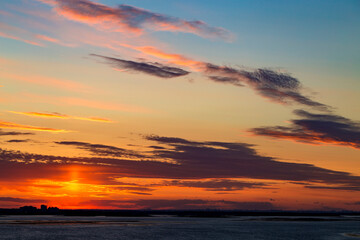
pixel 183 204
pixel 21 200
pixel 216 184
pixel 28 127
pixel 62 116
pixel 2 133
pixel 315 129
pixel 50 81
pixel 275 86
pixel 12 32
pixel 46 38
pixel 18 140
pixel 155 69
pixel 126 18
pixel 7 35
pixel 170 57
pixel 103 150
pixel 74 101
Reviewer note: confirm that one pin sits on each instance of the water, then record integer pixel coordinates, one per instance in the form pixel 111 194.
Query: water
pixel 168 227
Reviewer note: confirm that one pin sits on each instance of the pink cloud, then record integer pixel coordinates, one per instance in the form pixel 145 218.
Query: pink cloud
pixel 129 19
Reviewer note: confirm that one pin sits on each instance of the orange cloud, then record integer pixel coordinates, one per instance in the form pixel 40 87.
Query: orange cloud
pixel 27 127
pixel 49 81
pixel 62 116
pixel 170 57
pixel 85 103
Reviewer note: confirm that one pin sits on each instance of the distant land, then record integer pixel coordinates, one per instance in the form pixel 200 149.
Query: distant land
pixel 44 210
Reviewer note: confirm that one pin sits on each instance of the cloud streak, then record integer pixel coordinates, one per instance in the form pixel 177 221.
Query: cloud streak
pixel 217 184
pixel 103 150
pixel 277 87
pixel 82 102
pixel 155 69
pixel 183 204
pixel 316 129
pixel 51 82
pixel 15 33
pixel 2 133
pixel 61 116
pixel 130 19
pixel 28 127
pixel 21 200
pixel 170 57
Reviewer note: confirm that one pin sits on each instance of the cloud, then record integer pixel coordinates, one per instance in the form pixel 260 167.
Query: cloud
pixel 21 200
pixel 18 140
pixel 102 150
pixel 170 57
pixel 226 80
pixel 2 133
pixel 15 33
pixel 75 101
pixel 315 129
pixel 275 86
pixel 51 82
pixel 7 35
pixel 62 116
pixel 181 204
pixel 180 159
pixel 47 38
pixel 345 188
pixel 278 87
pixel 52 40
pixel 155 69
pixel 126 18
pixel 27 127
pixel 216 184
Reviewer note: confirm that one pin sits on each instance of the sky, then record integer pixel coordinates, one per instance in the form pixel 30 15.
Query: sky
pixel 137 104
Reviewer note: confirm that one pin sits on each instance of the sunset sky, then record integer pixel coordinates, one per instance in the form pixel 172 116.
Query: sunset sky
pixel 157 104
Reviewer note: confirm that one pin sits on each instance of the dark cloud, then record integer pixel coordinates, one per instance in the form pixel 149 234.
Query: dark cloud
pixel 278 87
pixel 18 140
pixel 126 18
pixel 316 129
pixel 141 193
pixel 2 133
pixel 180 159
pixel 155 69
pixel 183 204
pixel 102 150
pixel 285 97
pixel 231 160
pixel 227 80
pixel 216 184
pixel 345 188
pixel 21 200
